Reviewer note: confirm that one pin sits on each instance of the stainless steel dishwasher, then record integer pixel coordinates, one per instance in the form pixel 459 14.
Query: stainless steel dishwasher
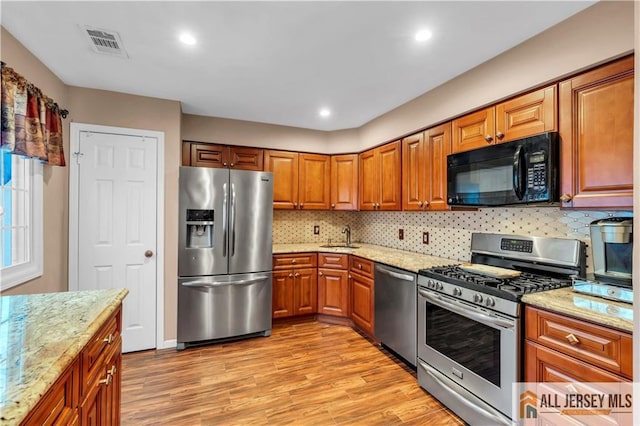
pixel 395 310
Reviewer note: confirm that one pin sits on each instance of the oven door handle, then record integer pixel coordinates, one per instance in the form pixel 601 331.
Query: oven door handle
pixel 485 319
pixel 485 410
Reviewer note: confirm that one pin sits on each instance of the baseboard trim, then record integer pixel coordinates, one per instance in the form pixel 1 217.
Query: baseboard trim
pixel 168 344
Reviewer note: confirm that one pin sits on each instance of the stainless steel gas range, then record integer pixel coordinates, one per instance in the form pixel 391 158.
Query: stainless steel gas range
pixel 469 319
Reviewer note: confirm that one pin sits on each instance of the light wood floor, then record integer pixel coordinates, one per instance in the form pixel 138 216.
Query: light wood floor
pixel 307 373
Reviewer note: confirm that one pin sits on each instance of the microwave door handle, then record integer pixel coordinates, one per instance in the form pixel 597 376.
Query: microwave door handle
pixel 517 173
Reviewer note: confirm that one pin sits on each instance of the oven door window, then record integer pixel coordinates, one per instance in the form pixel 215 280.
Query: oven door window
pixel 469 343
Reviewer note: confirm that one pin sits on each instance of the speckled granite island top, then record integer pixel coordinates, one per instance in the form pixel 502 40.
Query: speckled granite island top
pixel 40 335
pixel 595 309
pixel 406 260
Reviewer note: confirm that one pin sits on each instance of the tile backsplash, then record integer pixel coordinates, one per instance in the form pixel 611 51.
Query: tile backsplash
pixel 449 232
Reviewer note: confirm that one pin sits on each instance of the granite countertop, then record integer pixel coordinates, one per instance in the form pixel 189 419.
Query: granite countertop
pixel 618 315
pixel 40 335
pixel 406 260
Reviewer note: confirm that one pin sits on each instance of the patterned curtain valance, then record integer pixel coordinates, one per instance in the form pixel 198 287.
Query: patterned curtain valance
pixel 31 121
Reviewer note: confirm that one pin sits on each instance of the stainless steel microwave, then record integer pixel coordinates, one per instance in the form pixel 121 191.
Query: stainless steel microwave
pixel 523 171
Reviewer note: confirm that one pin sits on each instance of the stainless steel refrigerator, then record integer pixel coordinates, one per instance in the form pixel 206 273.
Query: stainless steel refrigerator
pixel 224 254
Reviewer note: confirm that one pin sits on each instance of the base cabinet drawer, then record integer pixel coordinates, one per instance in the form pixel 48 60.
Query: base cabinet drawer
pixel 594 344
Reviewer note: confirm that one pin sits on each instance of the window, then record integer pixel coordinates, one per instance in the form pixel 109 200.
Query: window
pixel 21 238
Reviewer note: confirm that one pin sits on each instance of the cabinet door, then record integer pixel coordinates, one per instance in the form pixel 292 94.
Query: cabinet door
pixel 305 291
pixel 415 167
pixel 113 365
pixel 596 129
pixel 59 405
pixel 244 158
pixel 390 180
pixel 368 182
pixel 314 181
pixel 473 130
pixel 527 115
pixel 284 166
pixel 362 302
pixel 344 182
pixel 282 294
pixel 333 292
pixel 209 155
pixel 438 146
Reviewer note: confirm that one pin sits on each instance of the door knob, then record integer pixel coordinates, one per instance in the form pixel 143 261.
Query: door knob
pixel 148 253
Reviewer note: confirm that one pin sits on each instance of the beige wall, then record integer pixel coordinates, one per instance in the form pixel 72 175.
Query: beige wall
pixel 56 179
pixel 636 199
pixel 237 132
pixel 92 106
pixel 599 33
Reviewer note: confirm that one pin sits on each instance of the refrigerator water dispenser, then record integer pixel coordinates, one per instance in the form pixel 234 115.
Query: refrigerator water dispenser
pixel 199 228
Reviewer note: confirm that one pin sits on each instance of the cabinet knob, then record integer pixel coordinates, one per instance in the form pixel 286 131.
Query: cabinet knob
pixel 420 204
pixel 566 198
pixel 301 205
pixel 291 275
pixel 500 135
pixel 349 276
pixel 333 206
pixel 295 205
pixel 359 265
pixel 231 164
pixel 294 261
pixel 320 274
pixel 572 339
pixel 296 275
pixel 426 204
pixel 224 164
pixel 488 138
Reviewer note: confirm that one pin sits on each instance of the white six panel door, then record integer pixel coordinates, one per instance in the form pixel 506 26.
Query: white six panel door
pixel 117 227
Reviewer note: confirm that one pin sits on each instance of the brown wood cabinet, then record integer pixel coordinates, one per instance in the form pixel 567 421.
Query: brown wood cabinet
pixel 380 182
pixel 344 182
pixel 200 154
pixel 560 348
pixel 519 117
pixel 361 293
pixel 424 169
pixel 88 392
pixel 295 284
pixel 596 129
pixel 333 284
pixel 300 181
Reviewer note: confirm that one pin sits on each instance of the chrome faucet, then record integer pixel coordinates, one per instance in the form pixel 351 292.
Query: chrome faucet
pixel 347 230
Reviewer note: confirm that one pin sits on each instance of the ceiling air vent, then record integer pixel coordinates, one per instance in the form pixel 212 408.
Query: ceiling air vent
pixel 105 41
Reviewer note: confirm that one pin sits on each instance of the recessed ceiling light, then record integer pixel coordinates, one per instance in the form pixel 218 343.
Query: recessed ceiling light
pixel 325 112
pixel 423 35
pixel 187 39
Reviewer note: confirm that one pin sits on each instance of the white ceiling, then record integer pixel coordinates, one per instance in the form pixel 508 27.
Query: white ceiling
pixel 278 62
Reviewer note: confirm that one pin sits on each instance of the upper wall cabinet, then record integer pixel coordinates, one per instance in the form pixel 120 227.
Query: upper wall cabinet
pixel 596 130
pixel 424 169
pixel 300 181
pixel 199 154
pixel 516 118
pixel 380 181
pixel 344 182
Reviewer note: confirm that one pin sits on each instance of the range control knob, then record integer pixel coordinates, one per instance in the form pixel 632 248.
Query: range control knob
pixel 490 301
pixel 477 298
pixel 457 291
pixel 430 284
pixel 439 286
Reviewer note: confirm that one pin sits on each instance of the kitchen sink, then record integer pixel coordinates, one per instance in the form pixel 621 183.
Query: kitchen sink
pixel 344 246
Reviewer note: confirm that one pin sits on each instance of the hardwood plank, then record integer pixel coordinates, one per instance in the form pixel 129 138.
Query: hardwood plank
pixel 305 373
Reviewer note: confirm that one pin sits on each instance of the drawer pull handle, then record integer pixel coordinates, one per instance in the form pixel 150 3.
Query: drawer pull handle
pixel 320 273
pixel 293 261
pixel 572 339
pixel 106 380
pixel 112 371
pixel 359 266
pixel 108 339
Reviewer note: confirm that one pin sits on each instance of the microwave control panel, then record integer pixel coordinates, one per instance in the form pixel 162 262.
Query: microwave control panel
pixel 537 176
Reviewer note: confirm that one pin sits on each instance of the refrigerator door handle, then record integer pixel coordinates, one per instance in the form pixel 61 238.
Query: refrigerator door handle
pixel 232 220
pixel 223 283
pixel 224 220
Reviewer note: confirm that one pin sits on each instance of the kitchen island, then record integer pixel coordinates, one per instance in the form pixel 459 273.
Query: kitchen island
pixel 42 338
pixel 409 261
